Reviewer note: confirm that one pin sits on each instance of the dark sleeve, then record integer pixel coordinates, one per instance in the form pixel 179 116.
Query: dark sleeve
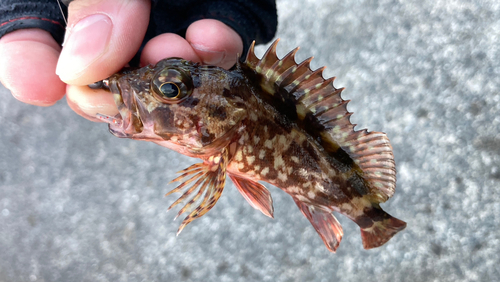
pixel 43 14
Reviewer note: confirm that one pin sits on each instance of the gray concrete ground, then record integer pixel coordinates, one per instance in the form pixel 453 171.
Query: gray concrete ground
pixel 77 204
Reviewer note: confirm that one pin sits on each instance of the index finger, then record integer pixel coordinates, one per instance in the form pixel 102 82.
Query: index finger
pixel 101 38
pixel 208 41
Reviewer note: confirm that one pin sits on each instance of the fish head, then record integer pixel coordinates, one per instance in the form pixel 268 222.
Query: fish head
pixel 179 104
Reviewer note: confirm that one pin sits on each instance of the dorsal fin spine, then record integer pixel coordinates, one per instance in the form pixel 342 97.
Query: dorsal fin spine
pixel 294 73
pixel 287 62
pixel 312 94
pixel 318 86
pixel 323 112
pixel 271 52
pixel 312 77
pixel 251 58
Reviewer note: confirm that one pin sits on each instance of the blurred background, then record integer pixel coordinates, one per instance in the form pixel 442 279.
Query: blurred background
pixel 78 204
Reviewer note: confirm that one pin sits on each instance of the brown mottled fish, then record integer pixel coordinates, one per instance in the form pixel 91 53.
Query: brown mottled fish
pixel 269 120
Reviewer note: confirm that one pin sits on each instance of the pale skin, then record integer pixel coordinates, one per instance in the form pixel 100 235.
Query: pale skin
pixel 101 38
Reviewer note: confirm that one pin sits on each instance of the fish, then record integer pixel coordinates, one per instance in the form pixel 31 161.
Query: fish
pixel 264 120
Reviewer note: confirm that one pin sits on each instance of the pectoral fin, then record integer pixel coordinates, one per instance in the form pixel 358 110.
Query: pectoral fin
pixel 255 193
pixel 327 226
pixel 210 178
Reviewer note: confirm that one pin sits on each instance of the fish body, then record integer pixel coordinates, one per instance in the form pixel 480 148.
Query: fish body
pixel 270 120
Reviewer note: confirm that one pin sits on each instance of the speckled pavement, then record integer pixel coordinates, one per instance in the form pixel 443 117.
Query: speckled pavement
pixel 78 204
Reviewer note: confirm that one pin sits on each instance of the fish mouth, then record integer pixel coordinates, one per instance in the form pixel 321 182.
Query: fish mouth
pixel 116 124
pixel 127 123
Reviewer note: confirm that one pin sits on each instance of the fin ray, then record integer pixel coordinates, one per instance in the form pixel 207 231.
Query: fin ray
pixel 181 186
pixel 188 192
pixel 213 193
pixel 255 193
pixel 196 197
pixel 325 223
pixel 381 230
pixel 321 111
pixel 373 154
pixel 209 182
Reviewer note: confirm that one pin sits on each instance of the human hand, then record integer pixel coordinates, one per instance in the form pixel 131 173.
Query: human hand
pixel 101 38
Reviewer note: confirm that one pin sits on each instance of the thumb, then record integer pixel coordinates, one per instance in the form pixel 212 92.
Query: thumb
pixel 102 37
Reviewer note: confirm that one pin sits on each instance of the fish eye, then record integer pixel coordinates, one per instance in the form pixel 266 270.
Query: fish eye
pixel 169 90
pixel 172 85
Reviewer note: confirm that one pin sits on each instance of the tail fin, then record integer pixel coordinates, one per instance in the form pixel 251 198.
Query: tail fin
pixel 381 231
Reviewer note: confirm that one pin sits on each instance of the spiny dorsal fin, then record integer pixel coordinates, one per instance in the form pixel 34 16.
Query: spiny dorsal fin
pixel 320 111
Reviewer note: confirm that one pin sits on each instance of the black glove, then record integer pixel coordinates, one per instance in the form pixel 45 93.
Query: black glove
pixel 252 20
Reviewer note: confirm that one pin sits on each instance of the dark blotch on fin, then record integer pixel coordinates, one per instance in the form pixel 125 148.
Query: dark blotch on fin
pixel 341 156
pixel 284 103
pixel 312 125
pixel 358 184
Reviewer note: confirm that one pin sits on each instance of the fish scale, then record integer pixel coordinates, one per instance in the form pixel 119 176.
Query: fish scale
pixel 271 120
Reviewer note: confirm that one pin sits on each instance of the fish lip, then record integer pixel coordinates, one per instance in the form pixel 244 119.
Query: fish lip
pixel 125 101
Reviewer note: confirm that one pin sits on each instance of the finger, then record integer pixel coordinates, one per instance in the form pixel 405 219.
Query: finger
pixel 88 102
pixel 214 42
pixel 102 36
pixel 167 45
pixel 28 59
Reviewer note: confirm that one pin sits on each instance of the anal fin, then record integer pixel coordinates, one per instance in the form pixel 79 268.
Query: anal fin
pixel 325 223
pixel 255 193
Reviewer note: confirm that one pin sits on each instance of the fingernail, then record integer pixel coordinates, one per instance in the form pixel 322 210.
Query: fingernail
pixel 209 57
pixel 86 41
pixel 29 100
